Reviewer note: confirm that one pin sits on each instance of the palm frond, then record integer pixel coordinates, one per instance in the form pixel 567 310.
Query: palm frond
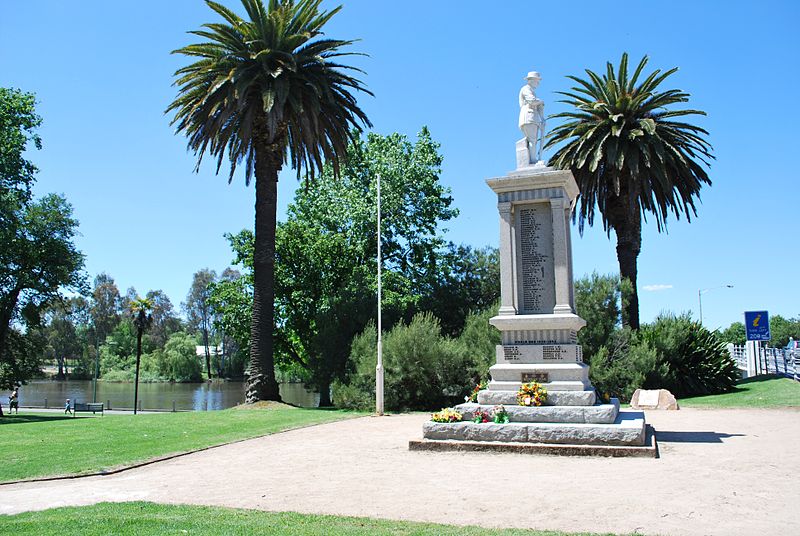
pixel 627 146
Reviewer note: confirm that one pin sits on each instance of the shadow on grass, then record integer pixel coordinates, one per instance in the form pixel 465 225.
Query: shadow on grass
pixel 26 419
pixel 757 379
pixel 693 437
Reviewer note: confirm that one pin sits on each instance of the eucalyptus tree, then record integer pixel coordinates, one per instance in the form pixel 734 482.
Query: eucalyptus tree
pixel 198 308
pixel 264 91
pixel 632 154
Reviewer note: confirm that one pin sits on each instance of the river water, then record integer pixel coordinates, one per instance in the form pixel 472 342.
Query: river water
pixel 153 396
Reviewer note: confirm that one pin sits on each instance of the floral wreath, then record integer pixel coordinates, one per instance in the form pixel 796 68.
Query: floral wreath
pixel 531 394
pixel 446 415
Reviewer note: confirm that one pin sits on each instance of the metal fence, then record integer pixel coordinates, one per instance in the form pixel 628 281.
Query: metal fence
pixel 778 361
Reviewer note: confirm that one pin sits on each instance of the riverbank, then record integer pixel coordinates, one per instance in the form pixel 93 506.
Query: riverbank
pixel 204 396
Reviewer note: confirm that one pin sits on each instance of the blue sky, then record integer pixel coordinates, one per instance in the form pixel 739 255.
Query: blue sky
pixel 102 74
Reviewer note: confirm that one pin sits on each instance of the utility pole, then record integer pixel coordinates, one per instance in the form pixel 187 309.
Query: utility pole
pixel 700 293
pixel 379 367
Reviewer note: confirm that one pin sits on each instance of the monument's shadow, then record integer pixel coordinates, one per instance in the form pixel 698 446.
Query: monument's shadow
pixel 694 437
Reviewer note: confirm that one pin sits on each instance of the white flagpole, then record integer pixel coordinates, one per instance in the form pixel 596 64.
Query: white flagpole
pixel 379 367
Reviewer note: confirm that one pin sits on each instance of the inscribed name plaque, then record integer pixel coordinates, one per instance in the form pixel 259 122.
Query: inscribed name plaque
pixel 538 377
pixel 649 397
pixel 548 353
pixel 535 259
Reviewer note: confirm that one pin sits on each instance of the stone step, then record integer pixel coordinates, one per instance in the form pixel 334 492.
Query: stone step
pixel 627 429
pixel 597 414
pixel 543 373
pixel 550 386
pixel 554 398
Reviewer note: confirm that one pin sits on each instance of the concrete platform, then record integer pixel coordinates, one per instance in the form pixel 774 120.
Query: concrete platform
pixel 554 398
pixel 627 429
pixel 597 414
pixel 559 372
pixel 550 386
pixel 648 450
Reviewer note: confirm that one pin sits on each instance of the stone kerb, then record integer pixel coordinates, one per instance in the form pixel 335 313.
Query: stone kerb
pixel 597 414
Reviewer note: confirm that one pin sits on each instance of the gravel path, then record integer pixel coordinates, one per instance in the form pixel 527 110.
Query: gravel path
pixel 720 472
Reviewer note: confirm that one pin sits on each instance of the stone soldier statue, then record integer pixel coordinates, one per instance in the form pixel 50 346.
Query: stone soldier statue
pixel 531 117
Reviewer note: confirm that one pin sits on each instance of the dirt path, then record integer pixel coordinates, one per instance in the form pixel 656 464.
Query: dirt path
pixel 720 472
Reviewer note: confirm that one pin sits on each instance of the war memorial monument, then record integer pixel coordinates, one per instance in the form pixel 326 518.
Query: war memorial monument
pixel 538 324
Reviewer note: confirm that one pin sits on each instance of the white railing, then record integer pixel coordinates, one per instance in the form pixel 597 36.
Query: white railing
pixel 767 361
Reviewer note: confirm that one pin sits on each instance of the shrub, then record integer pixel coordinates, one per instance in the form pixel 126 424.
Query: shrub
pixel 691 359
pixel 672 353
pixel 422 368
pixel 622 365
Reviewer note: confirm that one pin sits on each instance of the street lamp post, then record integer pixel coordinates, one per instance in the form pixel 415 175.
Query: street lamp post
pixel 702 291
pixel 379 367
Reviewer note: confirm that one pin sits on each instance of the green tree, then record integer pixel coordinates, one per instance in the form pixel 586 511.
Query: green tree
pixel 41 261
pixel 61 332
pixel 106 306
pixel 165 322
pixel 37 256
pixel 264 91
pixel 180 363
pixel 231 300
pixel 735 333
pixel 631 155
pixel 599 299
pixel 781 329
pixel 466 280
pixel 18 124
pixel 326 250
pixel 198 309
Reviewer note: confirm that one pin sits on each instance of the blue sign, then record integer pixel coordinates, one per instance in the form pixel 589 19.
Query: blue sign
pixel 756 324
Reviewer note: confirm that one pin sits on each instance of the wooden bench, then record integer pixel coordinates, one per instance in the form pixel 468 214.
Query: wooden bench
pixel 94 407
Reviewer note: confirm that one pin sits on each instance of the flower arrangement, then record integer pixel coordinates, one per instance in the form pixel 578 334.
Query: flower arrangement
pixel 499 415
pixel 531 394
pixel 481 416
pixel 446 415
pixel 473 396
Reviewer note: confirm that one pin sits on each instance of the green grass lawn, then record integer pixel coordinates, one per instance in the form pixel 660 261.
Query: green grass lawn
pixel 141 518
pixel 758 392
pixel 35 445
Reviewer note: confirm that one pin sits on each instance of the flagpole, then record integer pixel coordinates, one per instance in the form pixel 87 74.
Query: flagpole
pixel 379 367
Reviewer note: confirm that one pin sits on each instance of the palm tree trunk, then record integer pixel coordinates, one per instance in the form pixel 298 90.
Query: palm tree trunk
pixel 138 361
pixel 629 244
pixel 208 352
pixel 261 384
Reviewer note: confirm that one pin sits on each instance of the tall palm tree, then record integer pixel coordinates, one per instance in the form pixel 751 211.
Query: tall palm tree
pixel 141 309
pixel 631 155
pixel 263 91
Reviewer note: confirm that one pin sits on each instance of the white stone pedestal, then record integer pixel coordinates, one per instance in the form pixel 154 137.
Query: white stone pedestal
pixel 539 327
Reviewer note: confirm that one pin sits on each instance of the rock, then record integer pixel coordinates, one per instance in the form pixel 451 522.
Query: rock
pixel 653 399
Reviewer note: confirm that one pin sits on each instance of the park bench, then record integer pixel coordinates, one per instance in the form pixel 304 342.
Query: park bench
pixel 94 407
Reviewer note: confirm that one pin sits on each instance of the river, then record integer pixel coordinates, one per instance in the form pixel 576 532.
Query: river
pixel 152 396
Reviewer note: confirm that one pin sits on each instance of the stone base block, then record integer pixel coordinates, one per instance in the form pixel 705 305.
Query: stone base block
pixel 648 450
pixel 598 414
pixel 627 429
pixel 553 373
pixel 554 398
pixel 550 386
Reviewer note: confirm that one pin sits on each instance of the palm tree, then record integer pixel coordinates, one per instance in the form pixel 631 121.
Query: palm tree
pixel 142 320
pixel 264 91
pixel 631 155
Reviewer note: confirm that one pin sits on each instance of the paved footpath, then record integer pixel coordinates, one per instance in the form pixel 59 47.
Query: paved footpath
pixel 724 472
